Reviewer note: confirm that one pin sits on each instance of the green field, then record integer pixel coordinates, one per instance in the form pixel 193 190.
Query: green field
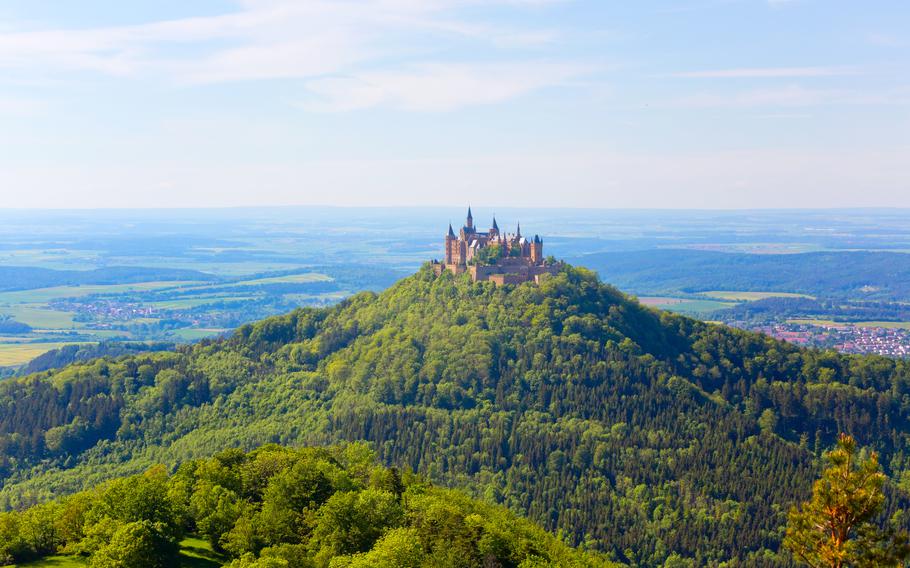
pixel 751 296
pixel 194 553
pixel 697 306
pixel 39 316
pixel 13 354
pixel 187 299
pixel 192 333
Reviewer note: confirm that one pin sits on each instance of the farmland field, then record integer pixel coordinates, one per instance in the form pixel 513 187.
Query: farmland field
pixel 743 296
pixel 16 353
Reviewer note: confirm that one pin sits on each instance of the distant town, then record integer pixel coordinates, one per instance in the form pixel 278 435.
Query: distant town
pixel 846 338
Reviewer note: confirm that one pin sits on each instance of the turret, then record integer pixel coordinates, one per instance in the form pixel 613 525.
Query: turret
pixel 451 240
pixel 470 222
pixel 537 250
pixel 494 230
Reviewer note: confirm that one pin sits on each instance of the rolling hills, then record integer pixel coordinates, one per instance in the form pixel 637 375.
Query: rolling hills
pixel 650 436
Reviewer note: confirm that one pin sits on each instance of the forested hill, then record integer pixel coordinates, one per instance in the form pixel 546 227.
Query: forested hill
pixel 648 435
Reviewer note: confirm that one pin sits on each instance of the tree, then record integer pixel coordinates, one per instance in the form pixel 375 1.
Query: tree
pixel 837 528
pixel 137 545
pixel 768 421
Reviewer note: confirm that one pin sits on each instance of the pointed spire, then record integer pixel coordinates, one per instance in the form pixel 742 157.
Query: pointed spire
pixel 470 223
pixel 495 226
pixel 518 234
pixel 451 232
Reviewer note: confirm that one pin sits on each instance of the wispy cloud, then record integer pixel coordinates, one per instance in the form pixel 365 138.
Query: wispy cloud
pixel 438 87
pixel 767 73
pixel 266 39
pixel 390 51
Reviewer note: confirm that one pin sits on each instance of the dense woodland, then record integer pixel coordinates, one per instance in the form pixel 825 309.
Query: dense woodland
pixel 656 438
pixel 838 274
pixel 835 310
pixel 276 507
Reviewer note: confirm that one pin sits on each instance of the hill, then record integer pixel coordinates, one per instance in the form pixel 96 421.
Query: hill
pixel 652 436
pixel 275 507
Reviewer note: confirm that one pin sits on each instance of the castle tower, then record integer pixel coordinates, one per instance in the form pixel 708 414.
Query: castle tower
pixel 470 222
pixel 451 242
pixel 494 230
pixel 537 250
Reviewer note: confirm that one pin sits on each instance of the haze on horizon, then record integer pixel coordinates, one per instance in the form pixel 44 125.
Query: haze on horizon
pixel 575 103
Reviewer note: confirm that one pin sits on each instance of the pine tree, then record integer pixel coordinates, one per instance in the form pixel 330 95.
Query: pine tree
pixel 837 527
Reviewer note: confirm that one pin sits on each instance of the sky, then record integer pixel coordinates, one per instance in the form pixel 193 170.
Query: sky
pixel 534 103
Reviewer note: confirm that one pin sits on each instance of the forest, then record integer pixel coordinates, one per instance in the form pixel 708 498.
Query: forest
pixel 654 438
pixel 867 275
pixel 277 507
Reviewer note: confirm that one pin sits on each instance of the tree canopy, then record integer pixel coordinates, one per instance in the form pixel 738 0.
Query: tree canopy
pixel 280 507
pixel 650 436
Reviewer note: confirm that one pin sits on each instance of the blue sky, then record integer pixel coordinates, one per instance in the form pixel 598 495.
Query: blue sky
pixel 578 103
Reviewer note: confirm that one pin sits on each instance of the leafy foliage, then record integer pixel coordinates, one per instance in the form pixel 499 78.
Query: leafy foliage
pixel 651 436
pixel 280 507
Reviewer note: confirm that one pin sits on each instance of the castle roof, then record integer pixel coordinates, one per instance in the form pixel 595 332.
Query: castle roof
pixel 451 232
pixel 495 226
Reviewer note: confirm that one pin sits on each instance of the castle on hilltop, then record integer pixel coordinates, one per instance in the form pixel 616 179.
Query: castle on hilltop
pixel 494 256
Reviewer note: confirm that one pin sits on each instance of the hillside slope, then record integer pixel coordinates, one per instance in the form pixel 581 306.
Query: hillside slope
pixel 631 430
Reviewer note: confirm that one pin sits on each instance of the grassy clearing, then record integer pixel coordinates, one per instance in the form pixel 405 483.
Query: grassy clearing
pixel 291 278
pixel 698 306
pixel 40 317
pixel 192 334
pixel 12 354
pixel 194 553
pixel 737 296
pixel 197 553
pixel 56 562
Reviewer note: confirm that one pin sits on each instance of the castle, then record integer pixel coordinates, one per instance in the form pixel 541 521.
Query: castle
pixel 494 256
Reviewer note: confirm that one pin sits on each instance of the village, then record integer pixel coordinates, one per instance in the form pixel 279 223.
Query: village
pixel 844 337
